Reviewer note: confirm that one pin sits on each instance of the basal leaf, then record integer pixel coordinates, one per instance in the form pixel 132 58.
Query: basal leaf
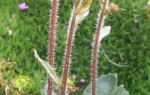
pixel 107 85
pixel 44 92
pixel 49 69
pixel 120 90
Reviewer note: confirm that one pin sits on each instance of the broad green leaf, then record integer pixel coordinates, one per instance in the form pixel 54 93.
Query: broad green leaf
pixel 44 92
pixel 49 69
pixel 106 85
pixel 120 91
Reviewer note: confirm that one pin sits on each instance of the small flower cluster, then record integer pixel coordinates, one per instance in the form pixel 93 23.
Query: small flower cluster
pixel 23 6
pixel 82 81
pixel 112 8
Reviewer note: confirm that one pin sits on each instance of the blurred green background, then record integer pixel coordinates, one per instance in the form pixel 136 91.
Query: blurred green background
pixel 128 42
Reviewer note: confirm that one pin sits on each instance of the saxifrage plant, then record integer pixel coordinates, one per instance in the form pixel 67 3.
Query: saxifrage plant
pixel 105 84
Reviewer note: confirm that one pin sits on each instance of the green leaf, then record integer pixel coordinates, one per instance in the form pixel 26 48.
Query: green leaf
pixel 44 92
pixel 22 81
pixel 120 91
pixel 49 69
pixel 70 82
pixel 106 85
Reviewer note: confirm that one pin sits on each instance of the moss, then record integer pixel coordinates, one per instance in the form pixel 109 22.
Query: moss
pixel 127 38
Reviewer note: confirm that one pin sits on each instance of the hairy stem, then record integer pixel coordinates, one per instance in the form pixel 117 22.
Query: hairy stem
pixel 53 26
pixel 96 48
pixel 68 54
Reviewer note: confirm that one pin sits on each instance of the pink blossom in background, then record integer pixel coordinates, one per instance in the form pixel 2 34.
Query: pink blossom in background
pixel 46 87
pixel 82 81
pixel 23 6
pixel 74 76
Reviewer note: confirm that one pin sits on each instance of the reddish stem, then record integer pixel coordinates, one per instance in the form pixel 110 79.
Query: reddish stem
pixel 96 49
pixel 68 55
pixel 52 39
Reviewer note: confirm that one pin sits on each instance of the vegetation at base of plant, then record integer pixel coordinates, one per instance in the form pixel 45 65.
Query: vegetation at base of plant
pixel 22 81
pixel 4 67
pixel 17 85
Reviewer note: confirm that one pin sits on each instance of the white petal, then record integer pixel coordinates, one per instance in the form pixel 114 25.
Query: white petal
pixel 82 16
pixel 104 32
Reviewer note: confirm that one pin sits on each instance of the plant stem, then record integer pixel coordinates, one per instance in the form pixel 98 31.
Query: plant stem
pixel 68 54
pixel 96 48
pixel 53 26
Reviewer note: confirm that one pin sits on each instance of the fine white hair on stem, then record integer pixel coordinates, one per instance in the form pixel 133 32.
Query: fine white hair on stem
pixel 68 30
